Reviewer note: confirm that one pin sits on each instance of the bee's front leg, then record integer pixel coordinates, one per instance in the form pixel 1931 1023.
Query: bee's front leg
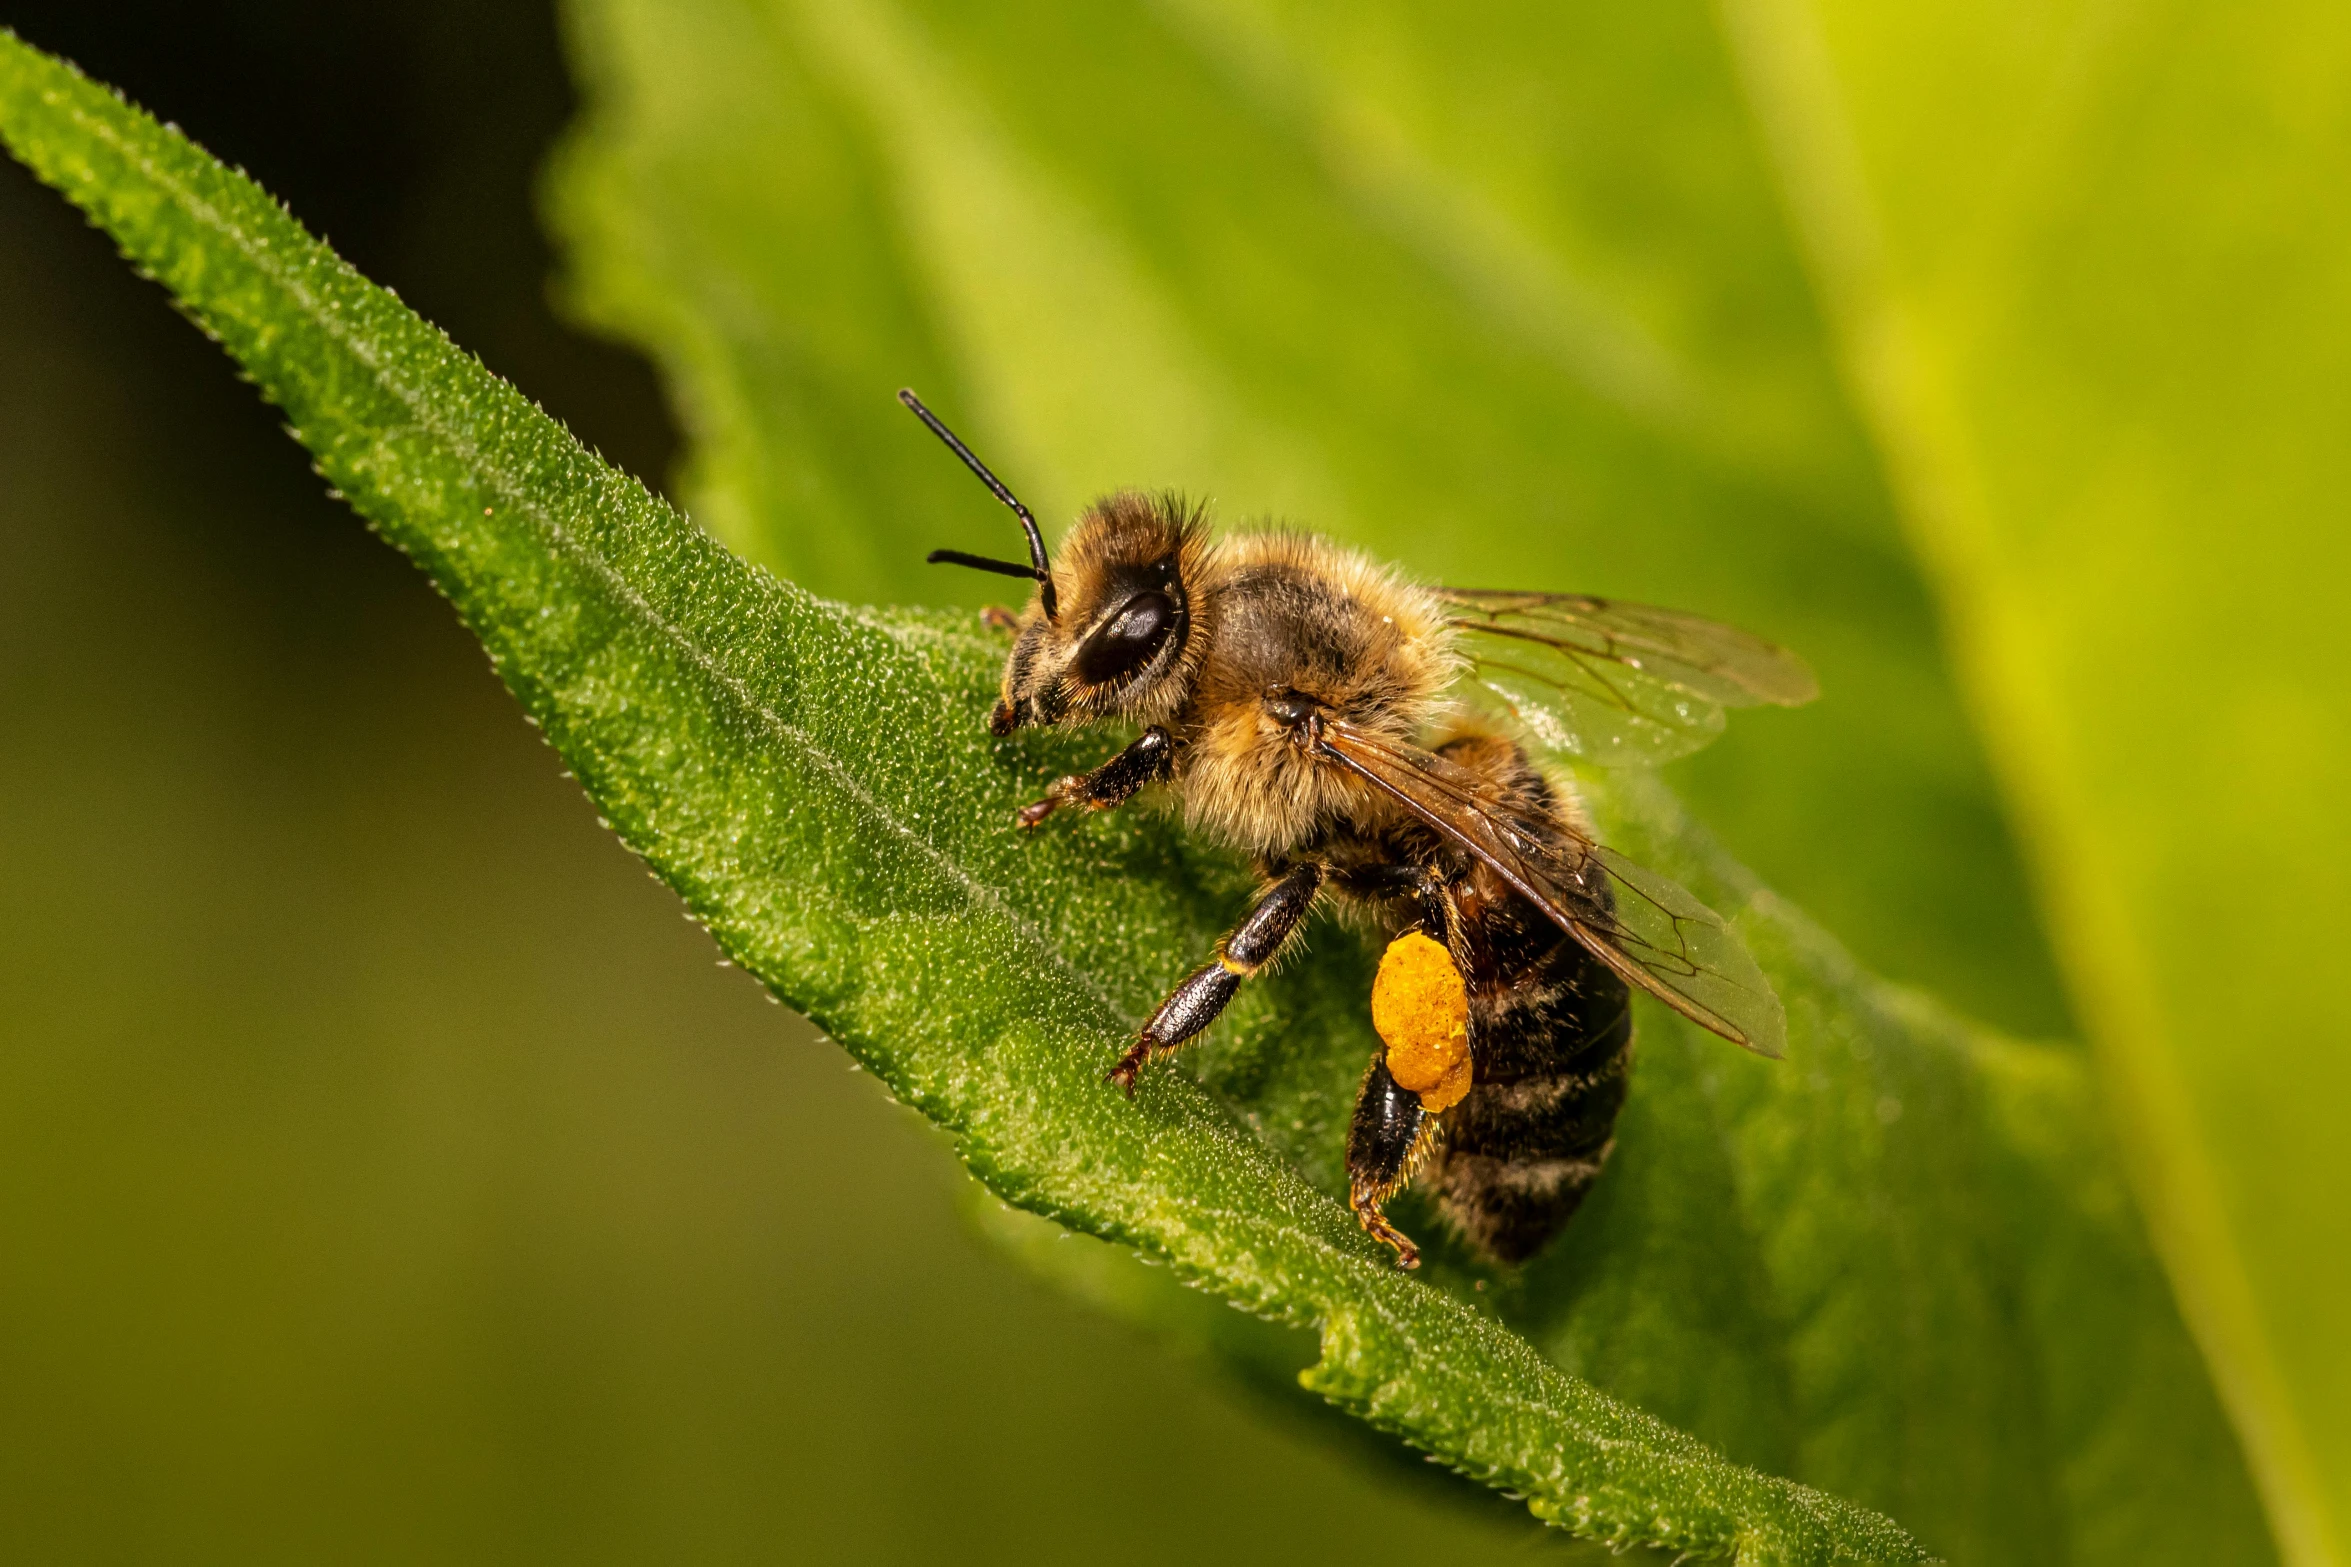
pixel 1254 943
pixel 1147 761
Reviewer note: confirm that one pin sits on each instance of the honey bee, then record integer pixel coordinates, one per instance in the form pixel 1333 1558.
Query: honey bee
pixel 1373 741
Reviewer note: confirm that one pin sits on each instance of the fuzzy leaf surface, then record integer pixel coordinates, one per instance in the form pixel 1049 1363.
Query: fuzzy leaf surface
pixel 808 778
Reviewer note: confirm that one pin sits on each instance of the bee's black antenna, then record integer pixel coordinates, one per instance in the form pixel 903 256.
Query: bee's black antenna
pixel 1039 568
pixel 1002 568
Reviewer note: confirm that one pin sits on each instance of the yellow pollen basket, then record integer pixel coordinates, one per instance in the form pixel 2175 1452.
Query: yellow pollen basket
pixel 1421 1009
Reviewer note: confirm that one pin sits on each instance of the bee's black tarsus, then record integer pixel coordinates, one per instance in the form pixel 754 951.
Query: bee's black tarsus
pixel 1210 988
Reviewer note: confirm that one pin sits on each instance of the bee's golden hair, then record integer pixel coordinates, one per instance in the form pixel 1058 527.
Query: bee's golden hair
pixel 1291 610
pixel 1268 610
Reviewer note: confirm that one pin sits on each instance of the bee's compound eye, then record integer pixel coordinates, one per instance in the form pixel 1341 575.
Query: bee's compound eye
pixel 1128 640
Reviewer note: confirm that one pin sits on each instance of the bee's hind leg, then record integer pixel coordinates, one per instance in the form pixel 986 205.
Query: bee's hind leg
pixel 1254 943
pixel 1386 1143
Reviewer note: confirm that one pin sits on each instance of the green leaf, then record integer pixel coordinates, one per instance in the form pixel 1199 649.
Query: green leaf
pixel 1864 1262
pixel 808 777
pixel 1503 293
pixel 2087 264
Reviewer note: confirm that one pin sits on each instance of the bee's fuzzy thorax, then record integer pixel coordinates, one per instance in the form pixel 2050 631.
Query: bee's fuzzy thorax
pixel 1289 611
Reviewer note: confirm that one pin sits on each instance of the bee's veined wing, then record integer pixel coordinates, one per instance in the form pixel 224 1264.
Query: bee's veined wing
pixel 1600 681
pixel 1651 932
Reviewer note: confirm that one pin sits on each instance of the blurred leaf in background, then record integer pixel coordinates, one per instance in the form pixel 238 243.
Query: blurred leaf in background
pixel 1506 293
pixel 1503 295
pixel 2091 268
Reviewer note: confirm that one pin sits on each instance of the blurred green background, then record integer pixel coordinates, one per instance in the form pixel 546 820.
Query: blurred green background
pixel 385 1168
pixel 386 1171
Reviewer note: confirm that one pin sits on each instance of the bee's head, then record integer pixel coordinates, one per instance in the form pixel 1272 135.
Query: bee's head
pixel 1107 634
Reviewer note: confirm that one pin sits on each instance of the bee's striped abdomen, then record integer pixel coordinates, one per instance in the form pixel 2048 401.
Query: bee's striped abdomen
pixel 1550 1033
pixel 1552 1043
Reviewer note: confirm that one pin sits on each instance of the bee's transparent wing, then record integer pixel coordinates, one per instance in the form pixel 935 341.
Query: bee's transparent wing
pixel 1599 681
pixel 1651 932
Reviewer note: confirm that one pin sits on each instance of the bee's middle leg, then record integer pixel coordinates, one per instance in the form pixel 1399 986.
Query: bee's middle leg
pixel 1196 1003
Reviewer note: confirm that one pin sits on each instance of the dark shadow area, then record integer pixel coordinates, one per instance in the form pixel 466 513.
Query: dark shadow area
pixel 410 137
